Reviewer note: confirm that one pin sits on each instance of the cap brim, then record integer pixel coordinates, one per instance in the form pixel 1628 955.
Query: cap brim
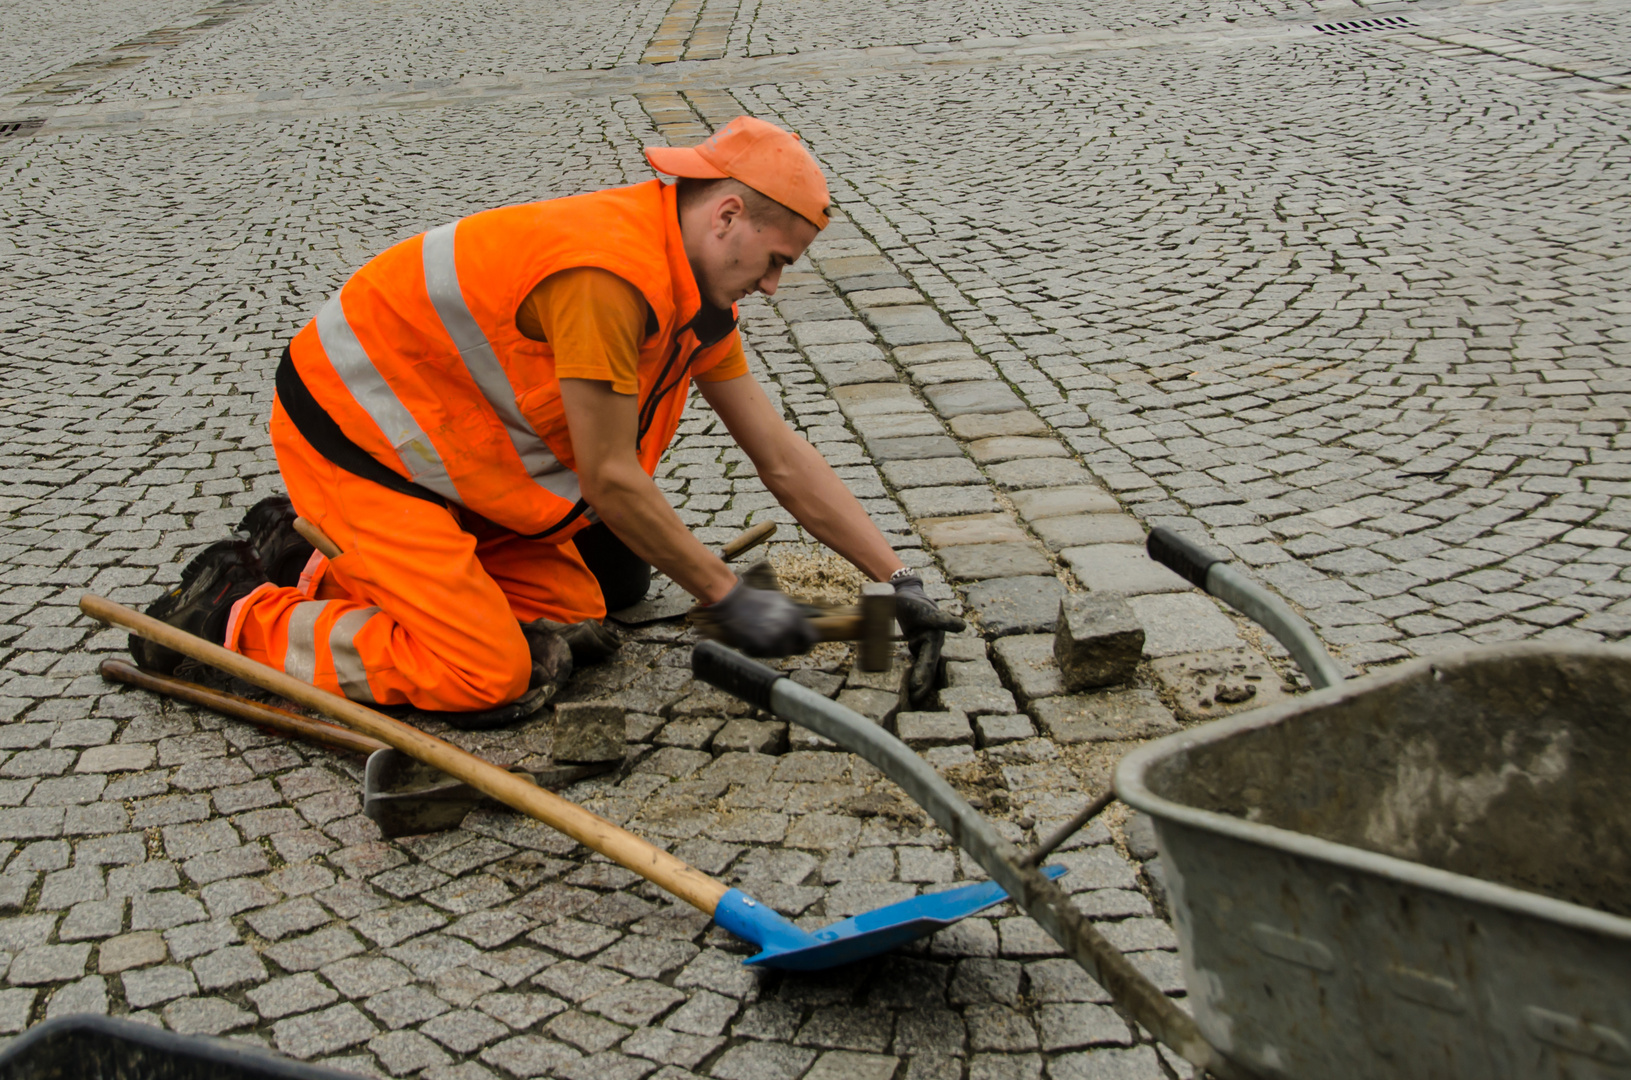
pixel 682 161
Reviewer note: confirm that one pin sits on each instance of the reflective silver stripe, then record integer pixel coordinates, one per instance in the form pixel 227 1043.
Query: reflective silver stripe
pixel 342 646
pixel 360 375
pixel 300 655
pixel 442 282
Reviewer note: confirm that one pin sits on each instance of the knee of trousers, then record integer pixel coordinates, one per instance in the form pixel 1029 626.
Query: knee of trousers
pixel 505 671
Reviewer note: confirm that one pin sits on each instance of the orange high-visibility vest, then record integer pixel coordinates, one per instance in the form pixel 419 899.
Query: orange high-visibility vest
pixel 419 361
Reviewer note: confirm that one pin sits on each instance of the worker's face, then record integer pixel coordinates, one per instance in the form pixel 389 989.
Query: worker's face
pixel 738 255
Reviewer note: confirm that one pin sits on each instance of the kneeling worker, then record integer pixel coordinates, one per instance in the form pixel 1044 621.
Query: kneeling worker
pixel 475 420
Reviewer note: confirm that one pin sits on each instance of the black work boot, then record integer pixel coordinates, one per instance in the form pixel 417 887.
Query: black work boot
pixel 218 577
pixel 590 641
pixel 283 553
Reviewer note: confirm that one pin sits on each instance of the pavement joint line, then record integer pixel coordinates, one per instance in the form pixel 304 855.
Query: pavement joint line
pixel 717 75
pixel 45 90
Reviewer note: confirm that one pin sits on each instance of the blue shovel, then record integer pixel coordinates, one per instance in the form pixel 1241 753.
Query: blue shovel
pixel 783 944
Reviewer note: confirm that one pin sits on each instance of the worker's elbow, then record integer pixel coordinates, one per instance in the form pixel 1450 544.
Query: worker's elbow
pixel 790 465
pixel 607 485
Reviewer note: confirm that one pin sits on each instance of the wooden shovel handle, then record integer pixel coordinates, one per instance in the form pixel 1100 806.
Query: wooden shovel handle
pixel 590 830
pixel 267 716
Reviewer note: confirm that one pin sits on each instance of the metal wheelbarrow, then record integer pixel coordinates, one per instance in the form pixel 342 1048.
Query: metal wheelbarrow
pixel 1423 873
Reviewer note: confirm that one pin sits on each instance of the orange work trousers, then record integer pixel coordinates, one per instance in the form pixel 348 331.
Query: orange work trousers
pixel 423 608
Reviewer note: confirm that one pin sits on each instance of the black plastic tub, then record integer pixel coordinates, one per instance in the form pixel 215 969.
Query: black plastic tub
pixel 103 1048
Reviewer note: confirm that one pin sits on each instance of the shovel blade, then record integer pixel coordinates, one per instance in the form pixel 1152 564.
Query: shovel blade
pixel 406 797
pixel 886 928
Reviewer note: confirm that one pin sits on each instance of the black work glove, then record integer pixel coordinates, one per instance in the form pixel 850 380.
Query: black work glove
pixel 762 622
pixel 924 626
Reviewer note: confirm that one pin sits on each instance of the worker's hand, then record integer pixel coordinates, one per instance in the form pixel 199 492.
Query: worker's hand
pixel 762 622
pixel 924 626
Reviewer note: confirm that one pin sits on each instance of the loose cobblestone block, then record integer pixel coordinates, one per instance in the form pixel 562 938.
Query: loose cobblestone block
pixel 1039 504
pixel 324 1032
pixel 403 1052
pixel 87 996
pixel 93 919
pixel 874 399
pixel 924 729
pixel 235 965
pixel 116 758
pixel 1183 624
pixel 1026 473
pixel 530 1056
pixel 39 964
pixel 1121 568
pixel 206 1016
pixel 1107 716
pixel 1206 685
pixel 1016 605
pixel 590 1034
pixel 16 1004
pixel 751 737
pixel 932 472
pixel 1135 1063
pixel 977 562
pixel 1088 529
pixel 1000 729
pixel 1028 665
pixel 763 1061
pixel 588 731
pixel 983 396
pixel 292 994
pixel 977 426
pixel 931 447
pixel 153 986
pixel 1099 641
pixel 972 529
pixel 465 1031
pixel 999 448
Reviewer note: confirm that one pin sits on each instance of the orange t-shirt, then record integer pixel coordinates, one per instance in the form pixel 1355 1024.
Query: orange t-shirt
pixel 595 321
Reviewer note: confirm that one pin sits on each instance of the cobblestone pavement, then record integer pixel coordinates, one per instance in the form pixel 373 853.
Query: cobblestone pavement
pixel 1348 303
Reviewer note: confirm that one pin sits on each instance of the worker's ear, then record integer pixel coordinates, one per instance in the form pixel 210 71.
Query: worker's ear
pixel 728 210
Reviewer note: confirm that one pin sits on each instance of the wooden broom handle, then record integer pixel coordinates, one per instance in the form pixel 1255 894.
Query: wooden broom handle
pixel 592 831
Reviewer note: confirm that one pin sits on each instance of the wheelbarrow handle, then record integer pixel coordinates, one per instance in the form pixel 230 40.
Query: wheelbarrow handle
pixel 588 829
pixel 1209 572
pixel 1030 889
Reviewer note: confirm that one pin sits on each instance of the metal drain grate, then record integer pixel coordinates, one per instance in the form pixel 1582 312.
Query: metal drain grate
pixel 18 128
pixel 1361 26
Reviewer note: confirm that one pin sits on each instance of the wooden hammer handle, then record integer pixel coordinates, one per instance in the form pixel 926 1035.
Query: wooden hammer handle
pixel 267 716
pixel 590 830
pixel 747 540
pixel 317 538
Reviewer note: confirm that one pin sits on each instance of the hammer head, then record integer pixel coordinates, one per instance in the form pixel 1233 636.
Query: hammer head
pixel 876 649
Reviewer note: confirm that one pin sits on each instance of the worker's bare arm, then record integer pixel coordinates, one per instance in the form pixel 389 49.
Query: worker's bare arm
pixel 799 477
pixel 603 424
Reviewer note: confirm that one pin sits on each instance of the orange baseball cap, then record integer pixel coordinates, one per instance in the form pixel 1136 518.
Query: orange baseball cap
pixel 764 157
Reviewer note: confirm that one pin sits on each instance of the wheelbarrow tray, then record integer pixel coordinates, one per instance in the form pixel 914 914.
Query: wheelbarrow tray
pixel 1423 873
pixel 86 1047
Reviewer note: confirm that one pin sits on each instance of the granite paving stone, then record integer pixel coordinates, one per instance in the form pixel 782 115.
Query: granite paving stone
pixel 976 562
pixel 1016 605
